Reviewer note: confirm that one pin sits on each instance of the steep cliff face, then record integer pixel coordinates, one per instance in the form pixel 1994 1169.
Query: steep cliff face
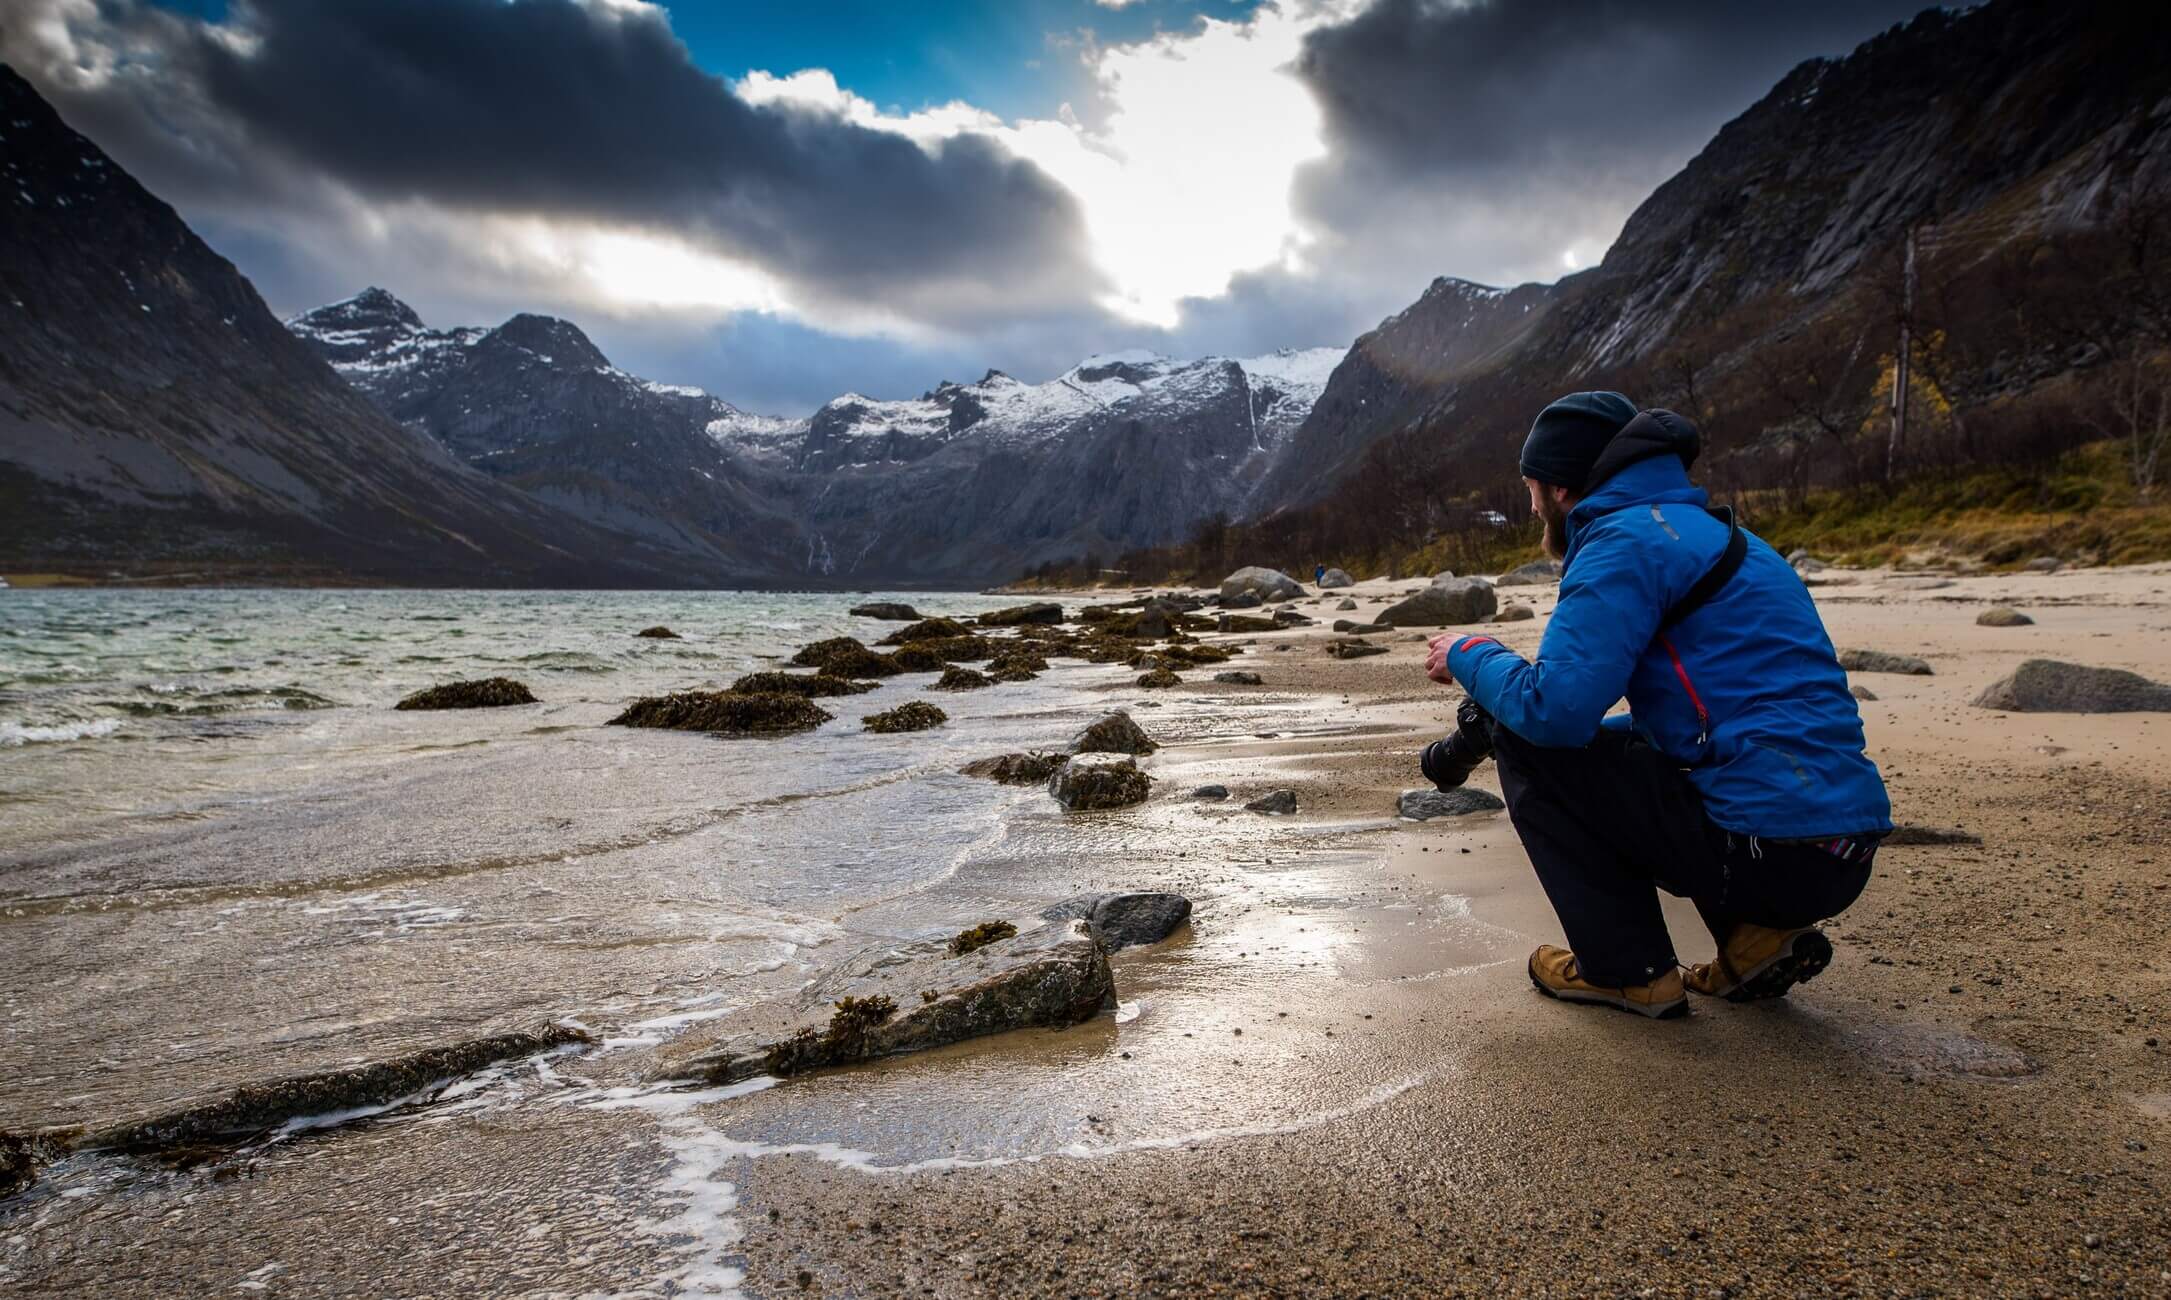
pixel 1978 128
pixel 155 417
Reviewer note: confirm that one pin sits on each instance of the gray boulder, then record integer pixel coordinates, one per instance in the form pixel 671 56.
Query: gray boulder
pixel 1040 611
pixel 1113 733
pixel 2044 564
pixel 1290 618
pixel 1810 564
pixel 1281 801
pixel 1122 921
pixel 1879 661
pixel 1239 677
pixel 1092 782
pixel 888 1001
pixel 1266 584
pixel 1347 604
pixel 1535 573
pixel 889 611
pixel 1030 768
pixel 2002 616
pixel 1424 805
pixel 1249 600
pixel 2048 686
pixel 1444 604
pixel 1336 578
pixel 1211 792
pixel 1515 614
pixel 1862 692
pixel 1345 626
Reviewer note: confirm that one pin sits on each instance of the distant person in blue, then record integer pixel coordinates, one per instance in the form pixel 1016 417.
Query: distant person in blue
pixel 1737 777
pixel 1319 575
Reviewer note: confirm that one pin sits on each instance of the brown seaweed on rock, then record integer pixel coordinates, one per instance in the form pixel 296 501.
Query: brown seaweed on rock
pixel 811 685
pixel 1016 769
pixel 980 936
pixel 916 659
pixel 927 629
pixel 913 715
pixel 754 713
pixel 844 1041
pixel 960 679
pixel 484 693
pixel 843 656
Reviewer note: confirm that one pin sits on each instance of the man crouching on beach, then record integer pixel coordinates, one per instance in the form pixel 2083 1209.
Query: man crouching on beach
pixel 1737 776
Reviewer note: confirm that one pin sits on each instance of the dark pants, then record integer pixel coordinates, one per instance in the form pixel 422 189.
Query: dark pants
pixel 1610 824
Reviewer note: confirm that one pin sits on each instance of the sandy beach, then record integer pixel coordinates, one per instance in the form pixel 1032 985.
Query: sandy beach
pixel 1974 1100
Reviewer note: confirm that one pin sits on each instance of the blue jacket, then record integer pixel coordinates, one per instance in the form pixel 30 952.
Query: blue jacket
pixel 1745 692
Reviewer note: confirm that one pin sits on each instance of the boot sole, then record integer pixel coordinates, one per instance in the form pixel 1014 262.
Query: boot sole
pixel 1803 959
pixel 1673 1010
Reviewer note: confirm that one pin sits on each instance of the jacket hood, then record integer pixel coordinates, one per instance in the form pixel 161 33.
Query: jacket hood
pixel 1648 480
pixel 1654 432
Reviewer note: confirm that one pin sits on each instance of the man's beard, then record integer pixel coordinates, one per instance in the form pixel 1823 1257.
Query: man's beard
pixel 1555 541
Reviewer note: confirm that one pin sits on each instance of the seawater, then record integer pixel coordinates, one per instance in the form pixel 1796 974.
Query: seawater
pixel 225 858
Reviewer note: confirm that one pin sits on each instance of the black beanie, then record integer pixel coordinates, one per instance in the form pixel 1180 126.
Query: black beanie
pixel 1567 436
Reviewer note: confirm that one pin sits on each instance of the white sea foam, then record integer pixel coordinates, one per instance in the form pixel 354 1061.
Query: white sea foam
pixel 16 733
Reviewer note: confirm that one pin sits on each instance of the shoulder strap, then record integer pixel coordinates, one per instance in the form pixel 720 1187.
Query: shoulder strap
pixel 1716 577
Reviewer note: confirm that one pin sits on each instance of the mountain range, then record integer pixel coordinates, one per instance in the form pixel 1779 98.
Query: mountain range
pixel 155 417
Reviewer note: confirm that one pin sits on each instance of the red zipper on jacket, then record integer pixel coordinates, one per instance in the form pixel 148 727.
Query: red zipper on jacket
pixel 1703 717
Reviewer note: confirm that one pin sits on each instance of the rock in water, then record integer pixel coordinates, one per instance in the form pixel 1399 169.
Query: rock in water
pixel 1113 733
pixel 812 685
pixel 2002 616
pixel 658 633
pixel 1515 614
pixel 253 1108
pixel 1336 578
pixel 1040 611
pixel 2048 686
pixel 1279 802
pixel 915 715
pixel 1879 661
pixel 1239 678
pixel 1862 692
pixel 1016 769
pixel 1424 805
pixel 894 1001
pixel 1266 584
pixel 1444 604
pixel 889 611
pixel 927 629
pixel 487 693
pixel 1533 574
pixel 1354 648
pixel 1091 782
pixel 753 714
pixel 955 678
pixel 1122 921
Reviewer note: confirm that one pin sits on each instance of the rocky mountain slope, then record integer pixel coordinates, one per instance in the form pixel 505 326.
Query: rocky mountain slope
pixel 156 419
pixel 1776 249
pixel 966 482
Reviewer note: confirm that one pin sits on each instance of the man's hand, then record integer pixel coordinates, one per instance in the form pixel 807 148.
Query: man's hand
pixel 1436 659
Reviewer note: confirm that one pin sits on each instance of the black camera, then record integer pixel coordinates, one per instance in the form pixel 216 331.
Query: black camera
pixel 1448 763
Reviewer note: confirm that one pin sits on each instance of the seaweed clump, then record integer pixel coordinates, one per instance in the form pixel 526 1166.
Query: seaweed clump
pixel 927 629
pixel 916 659
pixel 755 713
pixel 980 936
pixel 960 679
pixel 1160 676
pixel 658 633
pixel 484 693
pixel 843 656
pixel 844 1040
pixel 914 715
pixel 808 685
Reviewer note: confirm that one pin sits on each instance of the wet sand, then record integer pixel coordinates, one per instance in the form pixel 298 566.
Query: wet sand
pixel 1975 1099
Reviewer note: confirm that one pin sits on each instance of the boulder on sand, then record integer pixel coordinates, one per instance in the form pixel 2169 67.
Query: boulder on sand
pixel 1879 661
pixel 1347 604
pixel 1112 733
pixel 1444 604
pixel 1211 793
pixel 486 693
pixel 1515 614
pixel 658 633
pixel 1335 578
pixel 1266 584
pixel 1245 623
pixel 889 611
pixel 891 1000
pixel 1040 611
pixel 1277 803
pixel 2003 616
pixel 1239 677
pixel 1533 574
pixel 2044 564
pixel 1346 626
pixel 1029 768
pixel 1122 921
pixel 1424 805
pixel 1354 648
pixel 1862 692
pixel 2048 686
pixel 1090 782
pixel 751 714
pixel 913 715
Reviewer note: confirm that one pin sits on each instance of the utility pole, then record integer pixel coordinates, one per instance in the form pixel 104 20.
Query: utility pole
pixel 1899 366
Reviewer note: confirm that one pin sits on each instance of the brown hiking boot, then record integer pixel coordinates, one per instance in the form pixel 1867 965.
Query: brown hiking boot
pixel 1553 973
pixel 1757 961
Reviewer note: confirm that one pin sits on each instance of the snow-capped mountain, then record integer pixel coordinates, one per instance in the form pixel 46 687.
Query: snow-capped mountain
pixel 964 482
